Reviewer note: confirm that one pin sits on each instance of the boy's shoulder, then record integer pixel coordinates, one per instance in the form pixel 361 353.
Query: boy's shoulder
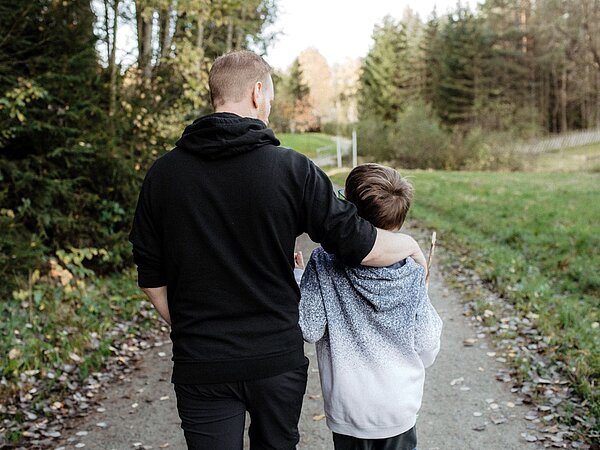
pixel 321 258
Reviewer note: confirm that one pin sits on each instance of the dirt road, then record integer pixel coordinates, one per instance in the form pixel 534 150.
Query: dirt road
pixel 464 406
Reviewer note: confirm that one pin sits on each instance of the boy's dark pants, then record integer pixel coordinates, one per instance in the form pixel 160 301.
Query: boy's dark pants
pixel 213 415
pixel 404 441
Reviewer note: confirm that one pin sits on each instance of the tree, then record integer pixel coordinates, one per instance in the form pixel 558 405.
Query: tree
pixel 463 53
pixel 303 117
pixel 58 172
pixel 386 79
pixel 317 75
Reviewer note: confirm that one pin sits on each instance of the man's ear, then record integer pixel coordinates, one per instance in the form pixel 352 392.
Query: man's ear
pixel 257 93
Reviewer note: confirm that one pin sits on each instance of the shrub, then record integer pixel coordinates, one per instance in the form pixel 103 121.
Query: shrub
pixel 484 150
pixel 419 141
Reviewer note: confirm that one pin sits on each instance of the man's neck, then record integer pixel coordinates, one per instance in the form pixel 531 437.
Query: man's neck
pixel 239 109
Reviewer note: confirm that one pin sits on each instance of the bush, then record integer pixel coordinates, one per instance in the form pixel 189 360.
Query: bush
pixel 338 129
pixel 484 150
pixel 420 141
pixel 415 140
pixel 72 197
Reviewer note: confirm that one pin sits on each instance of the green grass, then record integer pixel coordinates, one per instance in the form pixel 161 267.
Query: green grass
pixel 306 143
pixel 53 321
pixel 535 238
pixel 577 159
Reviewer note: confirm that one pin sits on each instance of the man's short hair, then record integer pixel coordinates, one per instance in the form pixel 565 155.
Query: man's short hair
pixel 232 75
pixel 381 195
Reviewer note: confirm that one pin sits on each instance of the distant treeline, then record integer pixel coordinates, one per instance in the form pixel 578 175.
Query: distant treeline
pixel 451 91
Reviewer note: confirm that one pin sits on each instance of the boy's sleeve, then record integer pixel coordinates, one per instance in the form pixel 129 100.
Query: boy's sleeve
pixel 428 328
pixel 313 320
pixel 298 275
pixel 147 243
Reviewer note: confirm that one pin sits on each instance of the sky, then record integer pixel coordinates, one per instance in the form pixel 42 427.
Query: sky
pixel 339 29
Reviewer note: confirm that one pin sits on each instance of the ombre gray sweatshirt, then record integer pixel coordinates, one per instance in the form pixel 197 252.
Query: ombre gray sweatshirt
pixel 375 331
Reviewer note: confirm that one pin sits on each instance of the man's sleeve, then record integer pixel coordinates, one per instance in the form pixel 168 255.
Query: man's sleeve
pixel 428 328
pixel 334 223
pixel 313 320
pixel 147 242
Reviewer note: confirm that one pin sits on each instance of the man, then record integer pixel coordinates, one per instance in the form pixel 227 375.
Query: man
pixel 213 238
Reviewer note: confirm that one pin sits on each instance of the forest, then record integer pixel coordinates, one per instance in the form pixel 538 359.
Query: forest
pixel 92 92
pixel 450 91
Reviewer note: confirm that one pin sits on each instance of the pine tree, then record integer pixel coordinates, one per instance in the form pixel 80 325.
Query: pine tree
pixel 297 87
pixel 386 80
pixel 430 65
pixel 464 54
pixel 63 184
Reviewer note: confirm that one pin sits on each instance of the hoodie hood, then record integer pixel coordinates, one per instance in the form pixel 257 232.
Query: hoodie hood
pixel 385 287
pixel 223 135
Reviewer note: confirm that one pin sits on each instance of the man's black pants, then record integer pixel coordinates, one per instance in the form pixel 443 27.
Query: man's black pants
pixel 213 415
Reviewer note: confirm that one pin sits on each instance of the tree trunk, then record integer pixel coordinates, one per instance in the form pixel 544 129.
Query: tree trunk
pixel 165 31
pixel 112 64
pixel 563 101
pixel 239 41
pixel 229 34
pixel 107 30
pixel 144 34
pixel 199 34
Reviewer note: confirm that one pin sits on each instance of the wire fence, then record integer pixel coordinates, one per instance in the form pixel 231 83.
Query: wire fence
pixel 566 140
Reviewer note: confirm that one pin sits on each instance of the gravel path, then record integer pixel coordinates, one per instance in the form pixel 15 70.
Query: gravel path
pixel 464 406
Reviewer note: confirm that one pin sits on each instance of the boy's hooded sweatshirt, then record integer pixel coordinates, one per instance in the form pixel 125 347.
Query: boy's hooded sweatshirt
pixel 216 223
pixel 376 332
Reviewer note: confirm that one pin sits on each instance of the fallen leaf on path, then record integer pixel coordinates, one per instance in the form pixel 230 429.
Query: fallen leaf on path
pixel 457 381
pixel 314 396
pixel 165 445
pixel 318 417
pixel 165 397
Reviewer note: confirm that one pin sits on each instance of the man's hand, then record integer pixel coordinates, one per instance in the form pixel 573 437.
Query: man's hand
pixel 158 297
pixel 389 248
pixel 298 261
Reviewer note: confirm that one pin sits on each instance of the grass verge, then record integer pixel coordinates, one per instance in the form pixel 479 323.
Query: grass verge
pixel 535 239
pixel 60 329
pixel 306 143
pixel 585 158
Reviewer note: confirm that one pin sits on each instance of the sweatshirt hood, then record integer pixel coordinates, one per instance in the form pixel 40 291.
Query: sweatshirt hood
pixel 385 287
pixel 223 135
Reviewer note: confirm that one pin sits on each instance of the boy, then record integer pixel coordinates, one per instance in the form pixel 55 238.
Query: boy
pixel 375 328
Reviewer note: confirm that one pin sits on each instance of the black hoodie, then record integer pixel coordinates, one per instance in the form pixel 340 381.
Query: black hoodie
pixel 216 222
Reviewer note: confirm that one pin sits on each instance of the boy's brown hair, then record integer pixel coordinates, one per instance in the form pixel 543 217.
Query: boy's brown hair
pixel 380 194
pixel 232 75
